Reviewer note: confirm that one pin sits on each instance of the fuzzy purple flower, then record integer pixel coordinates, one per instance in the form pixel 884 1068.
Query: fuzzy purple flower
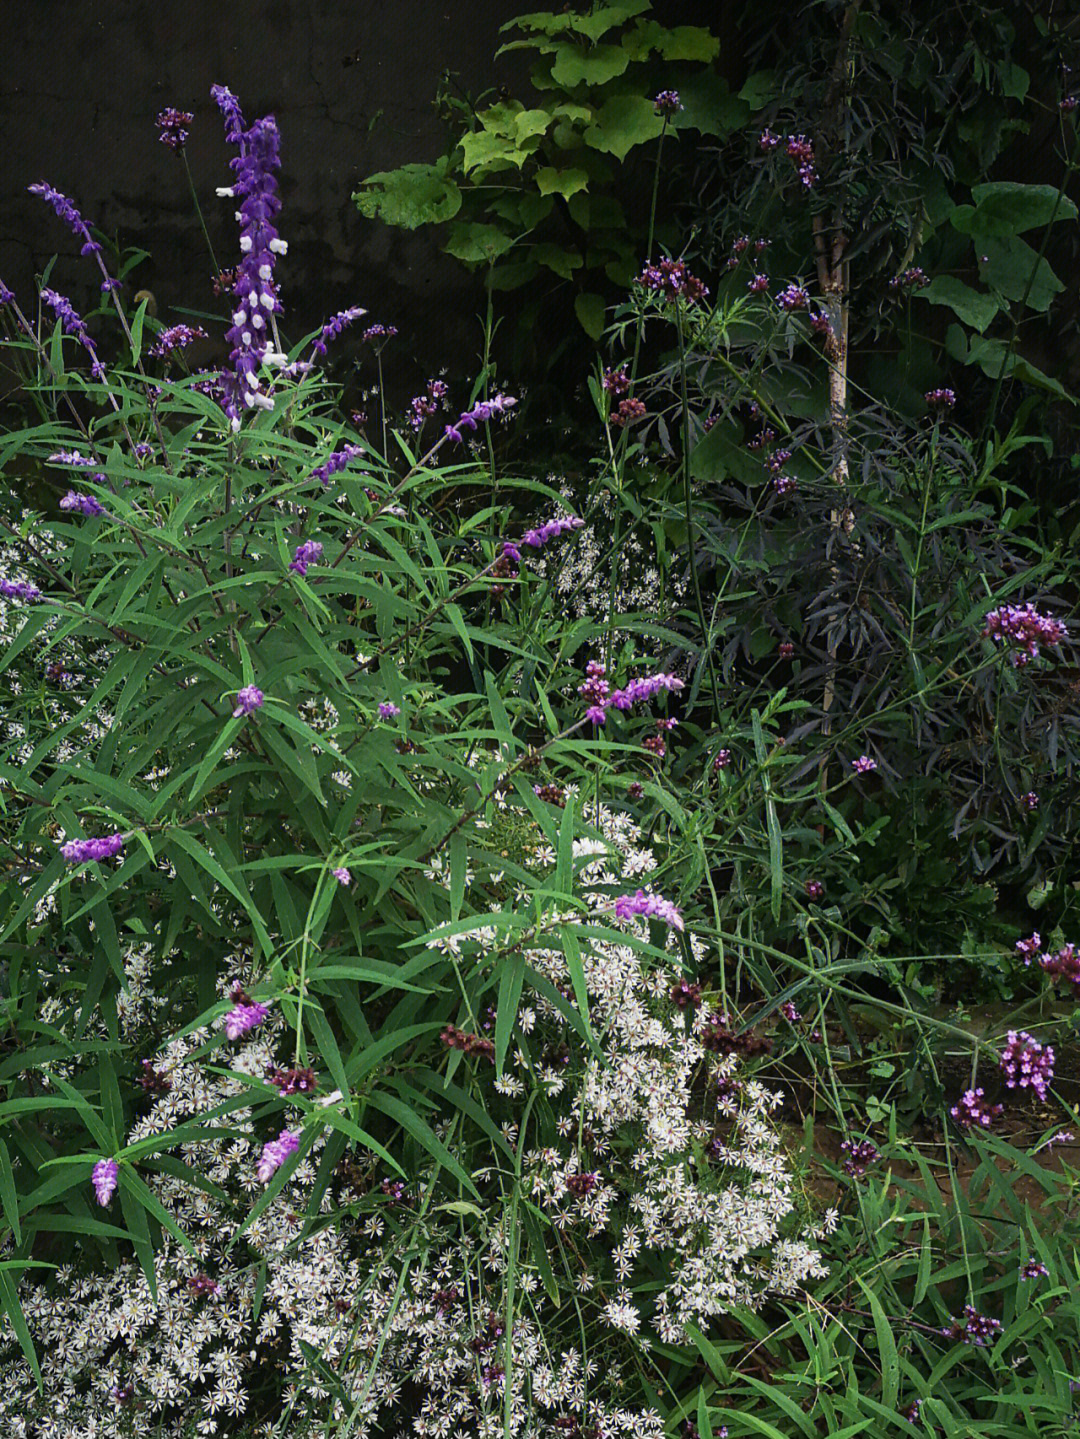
pixel 76 851
pixel 306 554
pixel 342 875
pixel 334 326
pixel 335 462
pixel 70 457
pixel 767 140
pixel 644 688
pixel 759 284
pixel 245 1015
pixel 484 411
pixel 84 504
pixel 255 292
pixel 652 906
pixel 388 710
pixel 550 530
pixel 1033 1269
pixel 18 590
pixel 7 297
pixel 1030 801
pixel 72 324
pixel 864 764
pixel 105 1178
pixel 67 212
pixel 722 759
pixel 275 1153
pixel 247 699
pixel 1027 1064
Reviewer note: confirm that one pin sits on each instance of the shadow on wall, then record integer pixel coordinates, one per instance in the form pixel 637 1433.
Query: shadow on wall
pixel 351 88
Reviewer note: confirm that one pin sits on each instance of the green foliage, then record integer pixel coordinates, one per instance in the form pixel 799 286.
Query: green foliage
pixel 529 192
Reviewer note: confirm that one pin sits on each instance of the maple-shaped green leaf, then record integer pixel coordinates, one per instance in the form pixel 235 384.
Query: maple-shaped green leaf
pixel 597 66
pixel 550 181
pixel 623 122
pixel 410 197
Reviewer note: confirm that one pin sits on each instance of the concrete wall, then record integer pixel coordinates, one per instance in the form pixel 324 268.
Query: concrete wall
pixel 81 82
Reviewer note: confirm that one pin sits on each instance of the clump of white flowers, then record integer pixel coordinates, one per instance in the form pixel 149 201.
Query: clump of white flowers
pixel 654 1194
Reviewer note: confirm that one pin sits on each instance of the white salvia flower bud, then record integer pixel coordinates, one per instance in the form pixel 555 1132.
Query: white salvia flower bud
pixel 266 301
pixel 246 337
pixel 239 316
pixel 226 191
pixel 279 247
pixel 258 322
pixel 246 244
pixel 265 272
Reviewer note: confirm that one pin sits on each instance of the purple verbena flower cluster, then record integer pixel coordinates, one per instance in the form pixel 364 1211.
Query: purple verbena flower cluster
pixel 673 280
pixel 255 292
pixel 275 1153
pixel 75 851
pixel 482 412
pixel 970 1110
pixel 378 332
pixel 173 126
pixel 627 411
pixel 814 889
pixel 800 151
pixel 105 1178
pixel 422 407
pixel 864 764
pixel 914 278
pixel 388 710
pixel 308 553
pixel 793 297
pixel 1064 965
pixel 940 399
pixel 667 103
pixel 616 381
pixel 1024 629
pixel 84 504
pixel 860 1155
pixel 1027 1064
pixel 176 337
pixel 1033 1269
pixel 652 906
pixel 334 326
pixel 342 875
pixel 975 1328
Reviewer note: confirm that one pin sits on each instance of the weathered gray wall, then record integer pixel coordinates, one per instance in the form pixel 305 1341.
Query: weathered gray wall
pixel 81 82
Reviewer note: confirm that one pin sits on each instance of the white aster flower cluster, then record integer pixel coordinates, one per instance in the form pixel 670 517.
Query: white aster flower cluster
pixel 404 1309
